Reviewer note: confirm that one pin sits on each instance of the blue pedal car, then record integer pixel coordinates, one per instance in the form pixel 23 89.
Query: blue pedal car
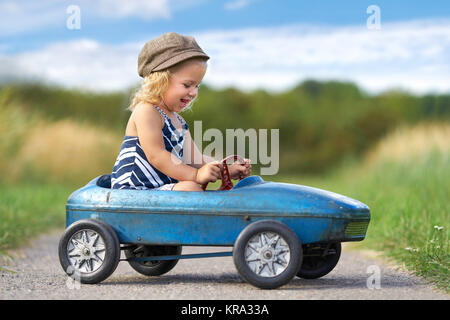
pixel 276 230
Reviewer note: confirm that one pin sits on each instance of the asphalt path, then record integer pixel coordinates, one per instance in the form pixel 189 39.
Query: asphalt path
pixel 35 273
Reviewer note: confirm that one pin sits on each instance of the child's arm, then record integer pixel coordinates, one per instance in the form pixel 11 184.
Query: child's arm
pixel 193 156
pixel 149 126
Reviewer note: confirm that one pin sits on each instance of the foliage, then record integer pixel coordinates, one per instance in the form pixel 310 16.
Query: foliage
pixel 321 124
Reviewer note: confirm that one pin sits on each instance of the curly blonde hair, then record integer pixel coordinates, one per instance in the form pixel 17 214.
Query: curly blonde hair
pixel 152 88
pixel 155 84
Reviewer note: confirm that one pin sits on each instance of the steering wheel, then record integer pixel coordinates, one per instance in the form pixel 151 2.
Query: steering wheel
pixel 225 174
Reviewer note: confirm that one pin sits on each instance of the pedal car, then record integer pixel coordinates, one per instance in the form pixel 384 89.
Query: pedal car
pixel 276 230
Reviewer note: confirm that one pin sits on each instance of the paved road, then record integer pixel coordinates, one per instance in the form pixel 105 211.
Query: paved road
pixel 38 275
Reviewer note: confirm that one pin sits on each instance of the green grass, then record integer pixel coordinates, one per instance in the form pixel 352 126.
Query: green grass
pixel 410 210
pixel 28 210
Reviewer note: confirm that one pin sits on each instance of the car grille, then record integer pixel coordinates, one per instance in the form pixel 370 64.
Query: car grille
pixel 356 229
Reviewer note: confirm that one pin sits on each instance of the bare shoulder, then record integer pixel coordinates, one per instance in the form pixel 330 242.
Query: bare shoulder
pixel 147 113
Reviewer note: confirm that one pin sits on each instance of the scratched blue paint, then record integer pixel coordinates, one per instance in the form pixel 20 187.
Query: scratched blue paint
pixel 216 217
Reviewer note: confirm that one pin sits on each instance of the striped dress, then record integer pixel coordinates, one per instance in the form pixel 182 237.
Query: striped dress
pixel 132 169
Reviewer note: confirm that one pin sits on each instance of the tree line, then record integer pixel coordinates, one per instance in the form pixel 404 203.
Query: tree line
pixel 321 124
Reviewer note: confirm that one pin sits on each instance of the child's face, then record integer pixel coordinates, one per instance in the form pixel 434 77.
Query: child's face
pixel 183 84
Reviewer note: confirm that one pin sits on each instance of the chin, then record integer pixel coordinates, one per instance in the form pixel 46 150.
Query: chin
pixel 181 108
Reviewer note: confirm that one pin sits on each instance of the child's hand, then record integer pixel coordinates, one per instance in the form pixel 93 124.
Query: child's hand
pixel 209 172
pixel 240 170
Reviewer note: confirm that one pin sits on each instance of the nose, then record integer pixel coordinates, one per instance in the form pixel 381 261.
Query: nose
pixel 193 92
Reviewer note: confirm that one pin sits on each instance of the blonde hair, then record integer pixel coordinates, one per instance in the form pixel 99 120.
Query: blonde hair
pixel 156 83
pixel 152 88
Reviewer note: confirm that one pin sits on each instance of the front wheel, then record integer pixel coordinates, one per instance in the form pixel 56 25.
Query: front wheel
pixel 267 254
pixel 319 260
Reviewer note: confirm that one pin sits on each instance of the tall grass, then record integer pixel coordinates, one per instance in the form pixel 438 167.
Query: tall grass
pixel 27 210
pixel 66 151
pixel 405 181
pixel 41 163
pixel 411 205
pixel 411 144
pixel 411 213
pixel 33 149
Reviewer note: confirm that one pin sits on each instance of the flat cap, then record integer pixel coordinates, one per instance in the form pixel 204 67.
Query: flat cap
pixel 166 51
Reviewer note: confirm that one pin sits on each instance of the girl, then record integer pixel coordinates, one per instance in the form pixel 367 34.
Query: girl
pixel 157 141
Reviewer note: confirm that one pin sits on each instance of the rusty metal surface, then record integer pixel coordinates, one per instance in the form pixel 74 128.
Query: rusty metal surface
pixel 217 217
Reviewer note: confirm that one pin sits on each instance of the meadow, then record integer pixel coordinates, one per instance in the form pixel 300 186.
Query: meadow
pixel 394 158
pixel 407 192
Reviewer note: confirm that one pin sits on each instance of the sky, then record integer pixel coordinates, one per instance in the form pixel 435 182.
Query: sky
pixel 253 44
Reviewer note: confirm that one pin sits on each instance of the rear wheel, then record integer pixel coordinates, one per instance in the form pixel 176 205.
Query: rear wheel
pixel 89 251
pixel 152 268
pixel 319 260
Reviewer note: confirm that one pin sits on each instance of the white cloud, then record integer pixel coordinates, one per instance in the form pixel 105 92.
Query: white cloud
pixel 412 55
pixel 18 17
pixel 120 9
pixel 84 64
pixel 30 15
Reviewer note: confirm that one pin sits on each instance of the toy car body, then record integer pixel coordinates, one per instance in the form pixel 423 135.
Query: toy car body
pixel 274 228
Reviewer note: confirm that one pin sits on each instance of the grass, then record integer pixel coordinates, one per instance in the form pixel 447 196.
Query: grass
pixel 35 149
pixel 410 210
pixel 29 210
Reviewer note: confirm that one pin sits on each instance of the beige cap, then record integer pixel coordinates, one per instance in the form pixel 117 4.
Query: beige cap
pixel 167 50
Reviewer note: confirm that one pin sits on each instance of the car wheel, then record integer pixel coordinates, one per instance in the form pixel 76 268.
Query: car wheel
pixel 89 251
pixel 267 254
pixel 317 262
pixel 152 268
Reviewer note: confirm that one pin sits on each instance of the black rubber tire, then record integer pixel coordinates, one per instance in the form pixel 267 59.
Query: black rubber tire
pixel 316 267
pixel 292 241
pixel 112 250
pixel 152 268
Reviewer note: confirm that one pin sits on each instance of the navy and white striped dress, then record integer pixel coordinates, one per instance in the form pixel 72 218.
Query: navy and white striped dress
pixel 132 169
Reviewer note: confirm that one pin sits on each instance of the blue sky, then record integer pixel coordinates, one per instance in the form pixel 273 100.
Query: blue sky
pixel 252 43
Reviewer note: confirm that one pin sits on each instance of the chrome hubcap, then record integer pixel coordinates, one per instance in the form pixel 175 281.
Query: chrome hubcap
pixel 86 251
pixel 267 254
